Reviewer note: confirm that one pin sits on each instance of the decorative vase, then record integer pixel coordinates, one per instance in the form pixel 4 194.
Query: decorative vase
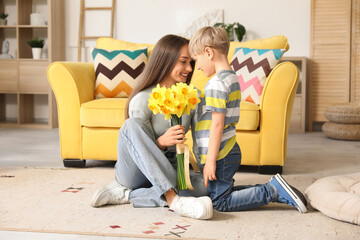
pixel 36 52
pixel 231 35
pixel 3 21
pixel 37 19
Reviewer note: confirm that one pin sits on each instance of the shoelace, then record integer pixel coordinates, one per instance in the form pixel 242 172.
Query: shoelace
pixel 284 200
pixel 117 198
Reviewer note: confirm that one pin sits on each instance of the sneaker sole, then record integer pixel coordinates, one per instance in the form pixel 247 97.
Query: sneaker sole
pixel 209 207
pixel 301 196
pixel 299 204
pixel 97 197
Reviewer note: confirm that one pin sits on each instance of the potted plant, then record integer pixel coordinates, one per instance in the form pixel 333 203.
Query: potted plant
pixel 3 20
pixel 36 45
pixel 233 29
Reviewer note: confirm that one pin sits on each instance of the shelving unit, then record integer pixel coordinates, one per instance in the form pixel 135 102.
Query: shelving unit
pixel 298 115
pixel 22 79
pixel 8 102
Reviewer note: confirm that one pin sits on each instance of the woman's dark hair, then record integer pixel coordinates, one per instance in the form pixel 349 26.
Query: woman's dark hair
pixel 161 61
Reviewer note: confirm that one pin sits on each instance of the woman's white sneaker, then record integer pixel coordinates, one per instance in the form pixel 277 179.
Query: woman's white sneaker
pixel 199 208
pixel 113 194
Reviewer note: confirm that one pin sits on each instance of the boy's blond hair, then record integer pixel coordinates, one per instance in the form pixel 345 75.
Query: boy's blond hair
pixel 214 37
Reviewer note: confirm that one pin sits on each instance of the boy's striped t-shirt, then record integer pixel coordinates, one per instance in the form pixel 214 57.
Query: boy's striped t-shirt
pixel 221 94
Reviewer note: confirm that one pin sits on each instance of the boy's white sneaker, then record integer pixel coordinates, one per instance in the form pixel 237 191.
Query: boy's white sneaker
pixel 113 194
pixel 199 208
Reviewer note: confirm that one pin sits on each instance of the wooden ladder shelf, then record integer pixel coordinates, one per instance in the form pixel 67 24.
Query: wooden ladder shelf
pixel 82 36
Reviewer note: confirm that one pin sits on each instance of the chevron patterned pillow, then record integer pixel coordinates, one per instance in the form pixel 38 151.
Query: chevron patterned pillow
pixel 117 72
pixel 252 66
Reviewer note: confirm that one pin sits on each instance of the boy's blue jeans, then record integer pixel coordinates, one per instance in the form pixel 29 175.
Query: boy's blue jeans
pixel 228 198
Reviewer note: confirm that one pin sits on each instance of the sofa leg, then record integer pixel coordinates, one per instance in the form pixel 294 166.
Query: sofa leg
pixel 78 163
pixel 270 169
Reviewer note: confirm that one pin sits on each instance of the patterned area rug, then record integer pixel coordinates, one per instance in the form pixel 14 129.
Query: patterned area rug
pixel 58 200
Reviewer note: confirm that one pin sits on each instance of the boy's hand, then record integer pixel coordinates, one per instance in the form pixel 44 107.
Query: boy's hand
pixel 209 172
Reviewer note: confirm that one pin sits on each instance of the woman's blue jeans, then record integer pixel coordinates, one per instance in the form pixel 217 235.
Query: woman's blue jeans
pixel 229 198
pixel 142 167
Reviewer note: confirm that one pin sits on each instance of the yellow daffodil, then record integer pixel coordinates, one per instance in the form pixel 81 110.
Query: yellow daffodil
pixel 178 100
pixel 174 102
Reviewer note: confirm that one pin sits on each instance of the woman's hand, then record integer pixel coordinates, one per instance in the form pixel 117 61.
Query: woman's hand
pixel 172 136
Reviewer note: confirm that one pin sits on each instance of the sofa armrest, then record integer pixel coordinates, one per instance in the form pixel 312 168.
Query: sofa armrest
pixel 275 112
pixel 73 84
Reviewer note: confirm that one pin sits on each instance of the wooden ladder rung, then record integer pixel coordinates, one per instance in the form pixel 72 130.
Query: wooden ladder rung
pixel 95 37
pixel 98 8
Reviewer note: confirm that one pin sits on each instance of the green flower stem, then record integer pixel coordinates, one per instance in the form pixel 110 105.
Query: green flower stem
pixel 181 182
pixel 181 172
pixel 176 120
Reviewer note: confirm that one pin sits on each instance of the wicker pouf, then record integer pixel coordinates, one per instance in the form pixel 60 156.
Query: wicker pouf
pixel 344 121
pixel 343 131
pixel 344 113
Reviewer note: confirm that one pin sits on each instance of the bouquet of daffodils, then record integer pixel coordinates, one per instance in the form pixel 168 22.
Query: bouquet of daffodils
pixel 173 103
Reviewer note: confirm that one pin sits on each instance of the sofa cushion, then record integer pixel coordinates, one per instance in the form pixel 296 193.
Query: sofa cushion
pixel 105 112
pixel 275 42
pixel 109 112
pixel 252 66
pixel 114 44
pixel 118 71
pixel 249 116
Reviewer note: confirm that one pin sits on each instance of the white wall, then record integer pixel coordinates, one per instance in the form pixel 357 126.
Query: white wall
pixel 147 21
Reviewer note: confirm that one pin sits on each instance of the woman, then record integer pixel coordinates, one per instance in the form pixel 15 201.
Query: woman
pixel 145 170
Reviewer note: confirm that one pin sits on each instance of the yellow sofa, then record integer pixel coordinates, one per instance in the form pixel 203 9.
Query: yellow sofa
pixel 89 127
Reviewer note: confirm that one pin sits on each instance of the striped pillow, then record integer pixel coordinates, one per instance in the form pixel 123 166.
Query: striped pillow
pixel 117 72
pixel 252 66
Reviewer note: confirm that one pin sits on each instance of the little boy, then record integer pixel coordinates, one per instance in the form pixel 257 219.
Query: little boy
pixel 217 115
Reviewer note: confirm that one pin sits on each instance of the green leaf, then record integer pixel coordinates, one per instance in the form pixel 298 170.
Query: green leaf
pixel 231 28
pixel 219 25
pixel 4 15
pixel 239 31
pixel 36 42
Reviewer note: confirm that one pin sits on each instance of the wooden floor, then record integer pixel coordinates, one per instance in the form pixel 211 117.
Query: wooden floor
pixel 314 152
pixel 306 153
